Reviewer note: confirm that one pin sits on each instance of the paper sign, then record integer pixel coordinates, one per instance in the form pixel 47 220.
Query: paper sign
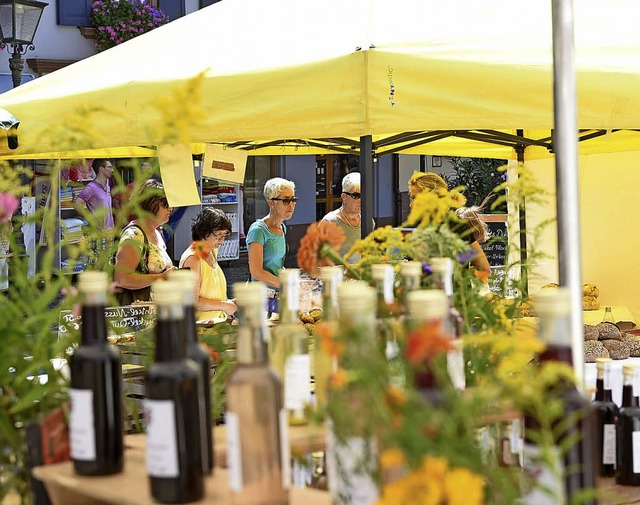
pixel 178 177
pixel 224 163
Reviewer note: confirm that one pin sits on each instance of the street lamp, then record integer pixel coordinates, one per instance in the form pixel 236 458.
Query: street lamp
pixel 18 24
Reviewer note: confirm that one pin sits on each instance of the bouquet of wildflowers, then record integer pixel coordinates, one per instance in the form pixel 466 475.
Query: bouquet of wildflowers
pixel 118 21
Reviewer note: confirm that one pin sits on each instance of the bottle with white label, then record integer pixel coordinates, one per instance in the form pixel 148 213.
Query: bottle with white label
pixel 289 349
pixel 95 430
pixel 189 282
pixel 628 433
pixel 387 311
pixel 256 423
pixel 442 278
pixel 574 470
pixel 351 457
pixel 411 278
pixel 323 362
pixel 606 415
pixel 172 406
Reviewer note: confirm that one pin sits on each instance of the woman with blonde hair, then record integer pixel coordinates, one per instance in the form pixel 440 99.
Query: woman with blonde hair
pixel 470 222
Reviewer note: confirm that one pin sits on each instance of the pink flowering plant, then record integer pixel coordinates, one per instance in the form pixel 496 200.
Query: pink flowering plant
pixel 118 21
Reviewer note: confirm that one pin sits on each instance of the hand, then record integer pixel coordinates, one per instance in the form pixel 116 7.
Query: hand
pixel 229 307
pixel 165 273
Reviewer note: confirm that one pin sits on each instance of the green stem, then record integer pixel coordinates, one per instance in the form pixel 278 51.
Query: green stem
pixel 326 251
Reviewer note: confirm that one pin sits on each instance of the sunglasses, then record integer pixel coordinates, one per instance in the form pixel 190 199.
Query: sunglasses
pixel 221 234
pixel 287 201
pixel 355 196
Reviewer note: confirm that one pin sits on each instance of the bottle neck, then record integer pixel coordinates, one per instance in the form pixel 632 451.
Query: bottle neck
pixel 94 325
pixel 170 341
pixel 555 331
pixel 384 290
pixel 289 300
pixel 190 332
pixel 410 283
pixel 329 301
pixel 444 281
pixel 627 395
pixel 600 389
pixel 251 335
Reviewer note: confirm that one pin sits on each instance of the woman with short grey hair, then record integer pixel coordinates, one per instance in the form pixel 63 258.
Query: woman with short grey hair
pixel 266 237
pixel 347 216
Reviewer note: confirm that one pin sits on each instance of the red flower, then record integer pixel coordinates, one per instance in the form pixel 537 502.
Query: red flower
pixel 320 246
pixel 201 249
pixel 426 342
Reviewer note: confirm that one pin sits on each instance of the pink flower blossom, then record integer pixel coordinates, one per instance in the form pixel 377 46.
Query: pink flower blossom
pixel 8 205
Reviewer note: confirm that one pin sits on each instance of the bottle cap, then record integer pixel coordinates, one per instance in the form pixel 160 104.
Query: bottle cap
pixel 628 369
pixel 330 273
pixel 441 264
pixel 167 293
pixel 424 304
pixel 356 296
pixel 188 281
pixel 289 274
pixel 553 302
pixel 410 268
pixel 249 293
pixel 601 363
pixel 379 271
pixel 93 282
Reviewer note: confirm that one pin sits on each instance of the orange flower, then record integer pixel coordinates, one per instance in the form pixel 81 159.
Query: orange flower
pixel 215 356
pixel 327 342
pixel 339 379
pixel 482 275
pixel 319 246
pixel 201 249
pixel 426 342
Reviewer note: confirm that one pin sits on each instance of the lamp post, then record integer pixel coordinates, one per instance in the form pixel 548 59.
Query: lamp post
pixel 18 24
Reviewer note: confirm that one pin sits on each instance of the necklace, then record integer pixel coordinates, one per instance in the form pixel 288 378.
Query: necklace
pixel 346 219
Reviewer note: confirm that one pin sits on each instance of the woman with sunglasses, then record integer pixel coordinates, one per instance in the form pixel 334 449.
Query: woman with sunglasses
pixel 142 256
pixel 266 237
pixel 211 226
pixel 348 215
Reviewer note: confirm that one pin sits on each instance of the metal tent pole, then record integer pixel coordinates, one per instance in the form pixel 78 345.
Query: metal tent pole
pixel 366 185
pixel 566 148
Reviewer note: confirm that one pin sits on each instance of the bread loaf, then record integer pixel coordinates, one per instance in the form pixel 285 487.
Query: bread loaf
pixel 609 331
pixel 594 349
pixel 617 349
pixel 590 332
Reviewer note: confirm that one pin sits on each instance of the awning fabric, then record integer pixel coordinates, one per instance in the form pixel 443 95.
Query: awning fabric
pixel 284 69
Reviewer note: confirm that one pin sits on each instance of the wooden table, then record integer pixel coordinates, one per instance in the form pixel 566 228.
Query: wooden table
pixel 131 487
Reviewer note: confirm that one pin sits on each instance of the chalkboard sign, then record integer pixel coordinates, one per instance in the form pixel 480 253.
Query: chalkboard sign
pixel 128 318
pixel 496 247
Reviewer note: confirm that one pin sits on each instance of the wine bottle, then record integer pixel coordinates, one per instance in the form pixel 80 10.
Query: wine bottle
pixel 257 434
pixel 95 429
pixel 606 414
pixel 189 283
pixel 382 276
pixel 442 278
pixel 172 406
pixel 575 462
pixel 323 362
pixel 411 278
pixel 429 306
pixel 289 349
pixel 352 471
pixel 628 433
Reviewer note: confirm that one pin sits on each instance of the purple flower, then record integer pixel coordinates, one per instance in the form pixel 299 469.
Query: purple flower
pixel 8 205
pixel 465 257
pixel 426 269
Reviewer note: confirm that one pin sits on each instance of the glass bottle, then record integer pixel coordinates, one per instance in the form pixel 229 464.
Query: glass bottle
pixel 351 452
pixel 442 278
pixel 188 280
pixel 628 433
pixel 95 429
pixel 257 435
pixel 172 406
pixel 606 414
pixel 323 362
pixel 608 316
pixel 289 349
pixel 428 306
pixel 382 276
pixel 411 278
pixel 576 462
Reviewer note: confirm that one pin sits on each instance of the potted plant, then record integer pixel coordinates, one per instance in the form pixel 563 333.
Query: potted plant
pixel 116 21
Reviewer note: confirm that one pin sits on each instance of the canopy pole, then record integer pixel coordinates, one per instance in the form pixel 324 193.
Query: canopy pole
pixel 566 149
pixel 366 185
pixel 522 218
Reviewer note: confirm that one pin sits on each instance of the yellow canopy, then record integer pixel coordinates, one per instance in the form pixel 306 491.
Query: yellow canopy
pixel 285 69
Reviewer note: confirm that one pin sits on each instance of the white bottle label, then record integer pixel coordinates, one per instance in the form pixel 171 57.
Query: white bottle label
pixel 548 488
pixel 635 451
pixel 234 455
pixel 455 365
pixel 293 290
pixel 350 470
pixel 297 381
pixel 82 435
pixel 609 444
pixel 285 448
pixel 387 286
pixel 515 439
pixel 162 443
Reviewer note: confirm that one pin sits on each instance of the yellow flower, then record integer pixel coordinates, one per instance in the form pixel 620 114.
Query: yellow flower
pixel 392 458
pixel 463 487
